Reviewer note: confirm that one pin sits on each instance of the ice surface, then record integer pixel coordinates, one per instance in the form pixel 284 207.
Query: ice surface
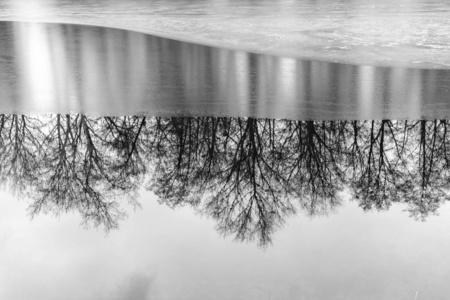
pixel 48 68
pixel 407 32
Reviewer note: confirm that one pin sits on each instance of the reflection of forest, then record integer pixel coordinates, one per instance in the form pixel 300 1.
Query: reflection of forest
pixel 247 174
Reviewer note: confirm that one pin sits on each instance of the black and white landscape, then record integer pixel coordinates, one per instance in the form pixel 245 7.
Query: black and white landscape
pixel 216 149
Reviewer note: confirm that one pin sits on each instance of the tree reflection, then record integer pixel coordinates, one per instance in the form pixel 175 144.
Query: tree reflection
pixel 20 142
pixel 428 189
pixel 227 169
pixel 67 163
pixel 310 167
pixel 247 174
pixel 378 163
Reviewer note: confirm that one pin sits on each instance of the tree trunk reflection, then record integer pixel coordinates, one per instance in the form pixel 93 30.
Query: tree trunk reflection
pixel 247 174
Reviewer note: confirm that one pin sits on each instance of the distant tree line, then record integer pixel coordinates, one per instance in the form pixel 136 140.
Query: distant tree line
pixel 247 174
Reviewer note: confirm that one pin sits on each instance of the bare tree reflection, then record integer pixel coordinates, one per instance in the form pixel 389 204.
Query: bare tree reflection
pixel 247 174
pixel 311 152
pixel 378 163
pixel 224 167
pixel 20 143
pixel 71 163
pixel 428 189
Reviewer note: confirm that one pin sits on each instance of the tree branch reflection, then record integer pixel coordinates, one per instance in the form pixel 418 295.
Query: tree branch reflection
pixel 247 174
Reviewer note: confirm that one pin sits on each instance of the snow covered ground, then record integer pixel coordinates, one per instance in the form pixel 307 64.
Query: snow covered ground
pixel 408 33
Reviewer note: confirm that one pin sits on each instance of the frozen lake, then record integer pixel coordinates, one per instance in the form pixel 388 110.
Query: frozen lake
pixel 406 32
pixel 49 68
pixel 224 150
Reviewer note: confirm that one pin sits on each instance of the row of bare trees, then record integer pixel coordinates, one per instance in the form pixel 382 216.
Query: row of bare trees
pixel 248 174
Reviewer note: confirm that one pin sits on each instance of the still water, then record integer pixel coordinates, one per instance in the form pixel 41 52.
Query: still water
pixel 72 68
pixel 198 172
pixel 223 208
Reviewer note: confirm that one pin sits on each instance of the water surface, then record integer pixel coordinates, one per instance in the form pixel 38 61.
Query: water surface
pixel 48 68
pixel 223 207
pixel 162 149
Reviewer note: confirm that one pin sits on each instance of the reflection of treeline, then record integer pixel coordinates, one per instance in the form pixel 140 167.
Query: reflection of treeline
pixel 247 174
pixel 70 162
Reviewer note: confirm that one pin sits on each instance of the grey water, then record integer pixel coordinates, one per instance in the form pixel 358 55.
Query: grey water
pixel 138 207
pixel 49 68
pixel 199 172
